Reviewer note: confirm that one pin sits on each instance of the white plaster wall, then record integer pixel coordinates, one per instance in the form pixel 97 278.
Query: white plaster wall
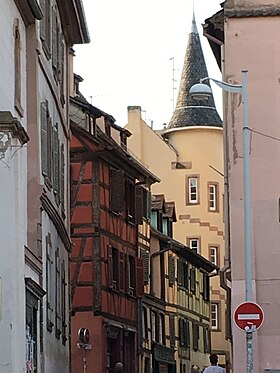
pixel 56 355
pixel 13 226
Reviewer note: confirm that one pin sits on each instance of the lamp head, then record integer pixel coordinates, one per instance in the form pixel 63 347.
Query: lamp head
pixel 200 91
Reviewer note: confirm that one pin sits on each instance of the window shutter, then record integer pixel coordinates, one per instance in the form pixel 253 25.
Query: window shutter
pixel 172 330
pixel 49 148
pixel 121 272
pixel 50 285
pixel 57 295
pixel 62 177
pixel 171 270
pixel 63 302
pixel 145 255
pixel 56 159
pixel 195 336
pixel 206 287
pixel 181 332
pixel 179 272
pixel 117 190
pixel 62 69
pixel 110 267
pixel 188 340
pixel 149 205
pixel 139 204
pixel 139 277
pixel 44 138
pixel 54 38
pixel 192 280
pixel 43 20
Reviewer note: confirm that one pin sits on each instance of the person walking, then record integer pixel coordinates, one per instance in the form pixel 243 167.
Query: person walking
pixel 214 367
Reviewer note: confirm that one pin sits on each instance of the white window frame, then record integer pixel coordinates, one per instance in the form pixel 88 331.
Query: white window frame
pixel 194 247
pixel 213 195
pixel 213 254
pixel 214 316
pixel 193 190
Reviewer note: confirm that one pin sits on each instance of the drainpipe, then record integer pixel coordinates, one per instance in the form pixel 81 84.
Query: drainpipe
pixel 226 267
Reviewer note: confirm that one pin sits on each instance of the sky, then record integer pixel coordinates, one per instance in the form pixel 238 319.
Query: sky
pixel 136 55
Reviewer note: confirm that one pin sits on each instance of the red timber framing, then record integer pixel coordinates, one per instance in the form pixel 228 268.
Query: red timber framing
pixel 107 204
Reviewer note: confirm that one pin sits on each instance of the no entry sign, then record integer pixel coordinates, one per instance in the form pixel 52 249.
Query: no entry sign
pixel 248 316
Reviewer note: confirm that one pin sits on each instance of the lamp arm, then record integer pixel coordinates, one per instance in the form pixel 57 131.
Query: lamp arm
pixel 233 88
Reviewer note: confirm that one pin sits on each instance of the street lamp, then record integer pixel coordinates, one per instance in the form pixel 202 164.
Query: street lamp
pixel 203 91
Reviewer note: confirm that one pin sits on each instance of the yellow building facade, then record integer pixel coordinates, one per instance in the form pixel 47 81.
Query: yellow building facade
pixel 188 158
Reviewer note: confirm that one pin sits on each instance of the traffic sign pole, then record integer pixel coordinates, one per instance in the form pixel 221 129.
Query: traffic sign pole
pixel 248 317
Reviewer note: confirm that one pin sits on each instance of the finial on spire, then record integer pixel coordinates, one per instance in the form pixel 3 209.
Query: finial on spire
pixel 194 28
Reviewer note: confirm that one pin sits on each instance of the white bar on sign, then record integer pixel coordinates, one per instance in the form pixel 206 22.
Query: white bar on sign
pixel 249 316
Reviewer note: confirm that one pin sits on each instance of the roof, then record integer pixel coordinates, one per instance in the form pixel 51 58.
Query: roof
pixel 158 202
pixel 170 211
pixel 188 111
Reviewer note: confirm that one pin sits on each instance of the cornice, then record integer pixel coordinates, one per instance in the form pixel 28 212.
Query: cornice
pixel 12 125
pixel 256 11
pixel 57 221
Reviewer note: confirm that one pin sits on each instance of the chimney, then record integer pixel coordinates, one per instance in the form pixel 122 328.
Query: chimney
pixel 134 113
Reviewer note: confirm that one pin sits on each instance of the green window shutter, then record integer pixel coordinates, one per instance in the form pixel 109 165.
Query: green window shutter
pixel 171 270
pixel 195 336
pixel 138 204
pixel 44 138
pixel 206 287
pixel 139 277
pixel 117 188
pixel 43 20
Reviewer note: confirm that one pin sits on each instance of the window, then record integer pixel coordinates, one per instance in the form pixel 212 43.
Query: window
pixel 45 26
pixel 214 316
pixel 144 323
pixel 131 272
pixel 58 321
pixel 115 267
pixel 154 326
pixel 182 274
pixel 161 329
pixel 192 190
pixel 206 287
pixel 213 254
pixel 195 328
pixel 213 196
pixel 31 341
pixel 193 280
pixel 194 244
pixel 50 276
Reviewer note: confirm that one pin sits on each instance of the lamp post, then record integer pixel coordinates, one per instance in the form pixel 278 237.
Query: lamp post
pixel 202 91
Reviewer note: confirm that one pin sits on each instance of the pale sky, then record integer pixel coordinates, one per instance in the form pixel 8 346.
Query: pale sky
pixel 129 60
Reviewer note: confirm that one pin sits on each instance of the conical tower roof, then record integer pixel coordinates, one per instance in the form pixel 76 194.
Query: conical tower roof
pixel 190 112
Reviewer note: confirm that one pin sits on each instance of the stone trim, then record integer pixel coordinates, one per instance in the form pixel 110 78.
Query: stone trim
pixel 34 287
pixel 33 261
pixel 57 221
pixel 11 124
pixel 261 11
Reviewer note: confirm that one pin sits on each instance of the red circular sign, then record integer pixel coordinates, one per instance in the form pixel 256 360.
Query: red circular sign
pixel 248 316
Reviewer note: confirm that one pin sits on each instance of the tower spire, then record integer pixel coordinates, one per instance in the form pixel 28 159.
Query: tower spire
pixel 194 27
pixel 190 112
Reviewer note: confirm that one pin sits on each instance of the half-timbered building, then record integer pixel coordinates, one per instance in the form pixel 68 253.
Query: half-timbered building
pixel 175 309
pixel 109 199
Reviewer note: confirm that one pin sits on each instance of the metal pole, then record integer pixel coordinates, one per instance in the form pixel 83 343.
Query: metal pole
pixel 85 361
pixel 247 216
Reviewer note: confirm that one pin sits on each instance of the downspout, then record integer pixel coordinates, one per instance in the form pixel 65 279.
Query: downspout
pixel 227 264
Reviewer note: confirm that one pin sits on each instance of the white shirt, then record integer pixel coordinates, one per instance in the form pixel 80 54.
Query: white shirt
pixel 214 369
